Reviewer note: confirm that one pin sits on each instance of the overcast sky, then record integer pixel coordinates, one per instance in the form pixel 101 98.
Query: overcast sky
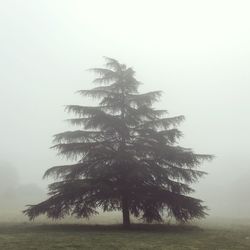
pixel 197 52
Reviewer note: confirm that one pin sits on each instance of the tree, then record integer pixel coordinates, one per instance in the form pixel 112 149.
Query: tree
pixel 127 154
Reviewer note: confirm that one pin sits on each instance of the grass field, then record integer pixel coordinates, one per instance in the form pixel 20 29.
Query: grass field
pixel 24 236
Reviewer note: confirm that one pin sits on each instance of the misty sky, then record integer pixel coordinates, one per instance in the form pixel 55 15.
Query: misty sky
pixel 197 52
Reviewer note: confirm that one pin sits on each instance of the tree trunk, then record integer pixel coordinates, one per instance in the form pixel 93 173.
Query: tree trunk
pixel 125 204
pixel 125 213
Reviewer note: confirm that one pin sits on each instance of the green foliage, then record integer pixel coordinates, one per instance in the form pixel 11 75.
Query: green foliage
pixel 127 154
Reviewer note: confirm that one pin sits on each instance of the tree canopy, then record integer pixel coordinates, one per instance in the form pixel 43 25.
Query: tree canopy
pixel 126 154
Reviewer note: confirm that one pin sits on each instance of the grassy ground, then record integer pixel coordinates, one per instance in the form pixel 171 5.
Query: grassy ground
pixel 25 236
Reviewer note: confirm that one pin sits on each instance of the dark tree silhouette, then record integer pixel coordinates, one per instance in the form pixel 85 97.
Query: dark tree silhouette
pixel 127 157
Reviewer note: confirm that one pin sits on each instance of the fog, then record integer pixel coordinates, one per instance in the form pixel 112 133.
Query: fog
pixel 196 52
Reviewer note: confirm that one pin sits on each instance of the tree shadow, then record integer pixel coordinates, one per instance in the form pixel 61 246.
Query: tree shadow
pixel 148 228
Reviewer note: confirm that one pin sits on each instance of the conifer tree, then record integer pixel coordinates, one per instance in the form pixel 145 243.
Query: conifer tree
pixel 127 157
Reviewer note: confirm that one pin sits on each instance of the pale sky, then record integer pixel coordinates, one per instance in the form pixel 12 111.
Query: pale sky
pixel 197 52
